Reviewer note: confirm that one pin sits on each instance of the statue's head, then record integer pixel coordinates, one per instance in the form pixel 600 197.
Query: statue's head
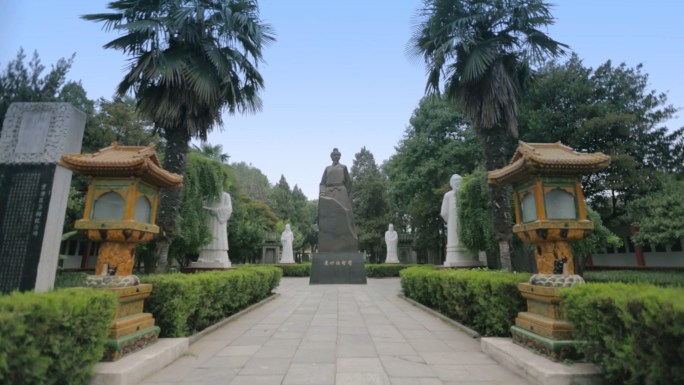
pixel 391 227
pixel 287 227
pixel 455 181
pixel 335 155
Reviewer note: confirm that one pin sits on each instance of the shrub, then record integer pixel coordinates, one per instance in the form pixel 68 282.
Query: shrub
pixel 655 277
pixel 55 337
pixel 634 332
pixel 296 270
pixel 485 300
pixel 183 304
pixel 65 279
pixel 384 270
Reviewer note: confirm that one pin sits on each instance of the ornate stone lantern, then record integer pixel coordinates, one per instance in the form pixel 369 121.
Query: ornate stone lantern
pixel 120 212
pixel 549 212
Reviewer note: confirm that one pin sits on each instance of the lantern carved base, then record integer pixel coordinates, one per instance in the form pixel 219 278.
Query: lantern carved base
pixel 132 329
pixel 543 326
pixel 102 281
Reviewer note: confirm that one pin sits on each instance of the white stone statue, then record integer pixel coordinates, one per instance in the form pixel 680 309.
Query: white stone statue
pixel 455 254
pixel 286 240
pixel 215 254
pixel 391 239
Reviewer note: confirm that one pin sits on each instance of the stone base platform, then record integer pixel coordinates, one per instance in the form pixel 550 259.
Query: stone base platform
pixel 134 367
pixel 538 369
pixel 337 268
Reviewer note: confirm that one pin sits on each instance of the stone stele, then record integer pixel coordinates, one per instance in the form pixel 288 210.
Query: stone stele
pixel 34 190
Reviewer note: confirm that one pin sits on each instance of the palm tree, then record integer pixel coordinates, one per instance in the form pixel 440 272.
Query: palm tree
pixel 212 152
pixel 484 50
pixel 190 61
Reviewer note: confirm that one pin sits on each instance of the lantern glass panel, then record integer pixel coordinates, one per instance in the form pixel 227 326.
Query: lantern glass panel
pixel 142 210
pixel 109 206
pixel 560 204
pixel 528 207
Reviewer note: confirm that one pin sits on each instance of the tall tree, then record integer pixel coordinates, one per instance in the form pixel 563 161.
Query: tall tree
pixel 369 197
pixel 485 50
pixel 437 144
pixel 191 60
pixel 22 83
pixel 252 181
pixel 608 109
pixel 280 199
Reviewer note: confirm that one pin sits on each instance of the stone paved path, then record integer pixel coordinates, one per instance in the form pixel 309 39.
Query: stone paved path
pixel 336 335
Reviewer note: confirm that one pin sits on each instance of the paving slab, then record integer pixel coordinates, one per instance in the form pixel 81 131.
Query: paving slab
pixel 337 335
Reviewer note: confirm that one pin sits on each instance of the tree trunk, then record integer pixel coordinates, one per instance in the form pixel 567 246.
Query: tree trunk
pixel 175 152
pixel 494 143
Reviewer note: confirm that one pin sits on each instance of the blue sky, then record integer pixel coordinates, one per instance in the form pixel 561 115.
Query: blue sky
pixel 338 76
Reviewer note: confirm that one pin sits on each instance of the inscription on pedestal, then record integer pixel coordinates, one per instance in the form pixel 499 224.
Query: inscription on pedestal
pixel 24 198
pixel 337 268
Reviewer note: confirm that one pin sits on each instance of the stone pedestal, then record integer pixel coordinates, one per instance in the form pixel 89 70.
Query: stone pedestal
pixel 459 258
pixel 34 190
pixel 337 268
pixel 132 329
pixel 543 326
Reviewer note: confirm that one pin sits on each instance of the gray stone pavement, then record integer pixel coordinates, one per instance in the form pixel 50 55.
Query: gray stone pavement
pixel 336 334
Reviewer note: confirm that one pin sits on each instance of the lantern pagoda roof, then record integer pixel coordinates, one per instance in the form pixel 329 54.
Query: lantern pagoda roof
pixel 548 159
pixel 122 162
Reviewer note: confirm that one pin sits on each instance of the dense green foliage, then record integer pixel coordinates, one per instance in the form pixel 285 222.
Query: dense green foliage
pixel 183 304
pixel 634 332
pixel 53 338
pixel 475 231
pixel 436 145
pixel 22 83
pixel 384 270
pixel 660 215
pixel 252 181
pixel 599 239
pixel 485 300
pixel 369 199
pixel 654 277
pixel 296 270
pixel 291 206
pixel 204 181
pixel 69 279
pixel 481 53
pixel 608 109
pixel 249 225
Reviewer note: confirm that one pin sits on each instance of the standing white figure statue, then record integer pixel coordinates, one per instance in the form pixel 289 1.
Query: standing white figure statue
pixel 391 239
pixel 455 254
pixel 215 254
pixel 286 240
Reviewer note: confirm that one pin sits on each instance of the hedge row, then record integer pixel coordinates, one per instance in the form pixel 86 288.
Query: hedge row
pixel 655 277
pixel 484 300
pixel 183 304
pixel 55 337
pixel 296 269
pixel 372 270
pixel 384 270
pixel 635 332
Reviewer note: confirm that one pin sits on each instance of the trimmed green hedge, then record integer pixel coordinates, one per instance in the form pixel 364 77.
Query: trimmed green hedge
pixel 384 270
pixel 295 270
pixel 55 337
pixel 485 300
pixel 183 304
pixel 372 270
pixel 655 277
pixel 635 332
